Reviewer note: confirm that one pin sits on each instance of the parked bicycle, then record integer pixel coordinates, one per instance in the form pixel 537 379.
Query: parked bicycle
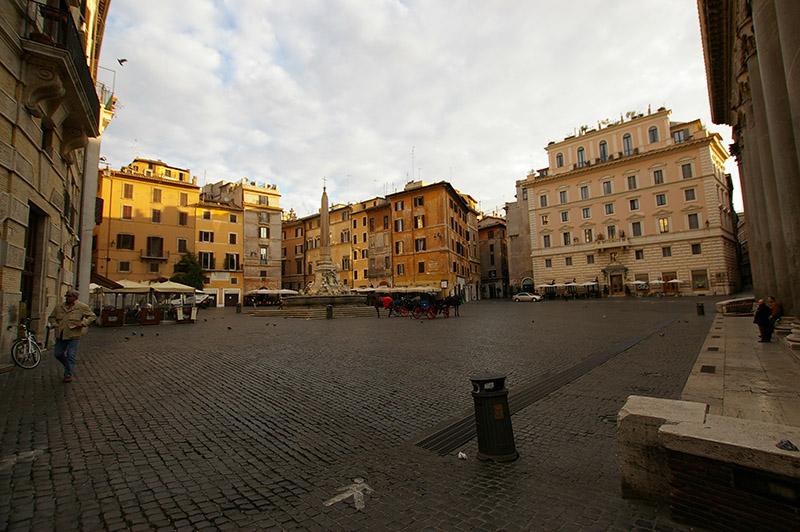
pixel 25 350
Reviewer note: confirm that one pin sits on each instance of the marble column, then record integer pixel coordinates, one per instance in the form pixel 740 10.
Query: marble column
pixel 788 15
pixel 782 146
pixel 91 160
pixel 756 211
pixel 778 279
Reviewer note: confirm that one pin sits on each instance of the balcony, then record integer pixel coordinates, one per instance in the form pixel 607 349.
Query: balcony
pixel 58 73
pixel 611 243
pixel 153 254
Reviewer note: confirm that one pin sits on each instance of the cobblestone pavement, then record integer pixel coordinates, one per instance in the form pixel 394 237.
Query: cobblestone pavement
pixel 239 422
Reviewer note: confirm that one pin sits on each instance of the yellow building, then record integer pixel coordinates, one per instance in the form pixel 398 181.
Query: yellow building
pixel 219 249
pixel 148 220
pixel 293 252
pixel 50 123
pixel 641 205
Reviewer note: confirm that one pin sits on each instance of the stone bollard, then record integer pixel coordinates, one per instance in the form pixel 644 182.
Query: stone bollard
pixel 701 309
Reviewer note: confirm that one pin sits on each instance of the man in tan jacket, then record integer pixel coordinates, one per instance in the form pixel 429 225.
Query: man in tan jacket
pixel 70 320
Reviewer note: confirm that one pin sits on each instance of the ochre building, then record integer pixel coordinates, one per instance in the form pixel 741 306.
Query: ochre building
pixel 642 205
pixel 148 220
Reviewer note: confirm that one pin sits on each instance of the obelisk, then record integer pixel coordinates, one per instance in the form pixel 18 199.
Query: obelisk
pixel 325 229
pixel 326 280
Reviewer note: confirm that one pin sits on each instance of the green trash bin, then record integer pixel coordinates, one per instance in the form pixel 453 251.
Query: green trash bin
pixel 493 419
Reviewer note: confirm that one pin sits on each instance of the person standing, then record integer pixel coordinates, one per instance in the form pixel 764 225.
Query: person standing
pixel 70 320
pixel 761 318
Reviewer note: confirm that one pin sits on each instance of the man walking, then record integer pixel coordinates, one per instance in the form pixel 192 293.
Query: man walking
pixel 70 320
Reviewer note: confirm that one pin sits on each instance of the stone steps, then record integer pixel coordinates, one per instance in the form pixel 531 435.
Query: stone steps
pixel 316 313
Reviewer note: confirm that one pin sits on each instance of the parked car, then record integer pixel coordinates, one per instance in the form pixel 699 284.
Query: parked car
pixel 525 296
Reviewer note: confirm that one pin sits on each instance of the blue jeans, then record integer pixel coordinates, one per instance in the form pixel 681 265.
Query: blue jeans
pixel 65 351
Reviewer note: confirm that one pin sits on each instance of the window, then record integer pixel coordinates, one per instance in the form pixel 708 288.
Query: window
pixel 559 160
pixel 364 221
pixel 589 259
pixel 232 261
pixel 155 246
pixel 183 218
pixel 345 216
pixel 584 192
pixel 398 205
pixel 694 221
pixel 398 225
pixel 587 235
pixel 636 228
pixel 609 208
pixel 398 247
pixel 686 170
pixel 421 267
pixel 355 275
pixel 419 244
pixel 696 249
pixel 401 269
pixel 562 197
pixel 543 200
pixel 631 182
pixel 567 261
pixel 263 254
pixel 184 201
pixel 661 199
pixel 419 222
pixel 689 194
pixel 127 212
pixel 700 279
pixel 372 224
pixel 419 201
pixel 386 222
pixel 525 194
pixel 581 157
pixel 156 195
pixel 603 150
pixel 168 172
pixel 545 219
pixel 652 134
pixel 639 254
pixel 666 251
pixel 612 231
pixel 127 191
pixel 231 238
pixel 232 218
pixel 491 236
pixel 634 204
pixel 679 136
pixel 125 241
pixel 182 245
pixel 206 215
pixel 586 212
pixel 567 238
pixel 344 236
pixel 627 144
pixel 606 187
pixel 263 218
pixel 263 232
pixel 124 266
pixel 155 216
pixel 663 225
pixel 658 177
pixel 154 267
pixel 263 200
pixel 298 231
pixel 364 253
pixel 564 216
pixel 548 263
pixel 206 236
pixel 298 265
pixel 546 241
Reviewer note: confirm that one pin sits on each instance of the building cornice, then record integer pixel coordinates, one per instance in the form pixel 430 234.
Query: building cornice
pixel 717 32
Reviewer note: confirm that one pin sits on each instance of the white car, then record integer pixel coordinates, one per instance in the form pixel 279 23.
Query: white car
pixel 525 296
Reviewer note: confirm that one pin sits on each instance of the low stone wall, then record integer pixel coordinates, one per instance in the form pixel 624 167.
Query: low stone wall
pixel 715 472
pixel 743 306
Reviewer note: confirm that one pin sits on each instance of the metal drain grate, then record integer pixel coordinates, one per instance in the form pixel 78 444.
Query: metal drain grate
pixel 708 369
pixel 713 349
pixel 462 429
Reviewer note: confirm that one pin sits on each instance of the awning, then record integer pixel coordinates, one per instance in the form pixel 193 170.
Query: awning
pixel 103 282
pixel 171 287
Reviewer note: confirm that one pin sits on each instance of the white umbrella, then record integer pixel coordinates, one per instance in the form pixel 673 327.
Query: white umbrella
pixel 171 287
pixel 589 283
pixel 287 292
pixel 637 283
pixel 675 281
pixel 571 284
pixel 657 281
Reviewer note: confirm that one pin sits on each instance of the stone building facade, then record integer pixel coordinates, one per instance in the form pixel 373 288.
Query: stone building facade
pixel 518 241
pixel 49 115
pixel 751 49
pixel 493 252
pixel 641 205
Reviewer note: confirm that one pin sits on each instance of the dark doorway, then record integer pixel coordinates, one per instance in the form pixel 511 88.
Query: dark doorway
pixel 32 269
pixel 231 300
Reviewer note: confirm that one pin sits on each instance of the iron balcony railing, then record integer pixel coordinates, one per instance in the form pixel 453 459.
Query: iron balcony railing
pixel 54 26
pixel 153 254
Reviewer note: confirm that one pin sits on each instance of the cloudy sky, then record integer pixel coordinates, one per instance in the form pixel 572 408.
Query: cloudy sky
pixel 289 92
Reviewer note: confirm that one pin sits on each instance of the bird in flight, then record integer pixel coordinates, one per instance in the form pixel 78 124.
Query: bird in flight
pixel 122 61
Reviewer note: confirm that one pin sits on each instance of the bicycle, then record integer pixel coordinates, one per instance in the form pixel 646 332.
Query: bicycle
pixel 25 350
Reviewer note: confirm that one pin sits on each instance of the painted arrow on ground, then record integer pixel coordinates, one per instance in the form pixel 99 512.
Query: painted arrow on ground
pixel 356 490
pixel 26 456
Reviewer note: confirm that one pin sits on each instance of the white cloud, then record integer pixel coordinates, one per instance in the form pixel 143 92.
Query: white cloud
pixel 289 92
